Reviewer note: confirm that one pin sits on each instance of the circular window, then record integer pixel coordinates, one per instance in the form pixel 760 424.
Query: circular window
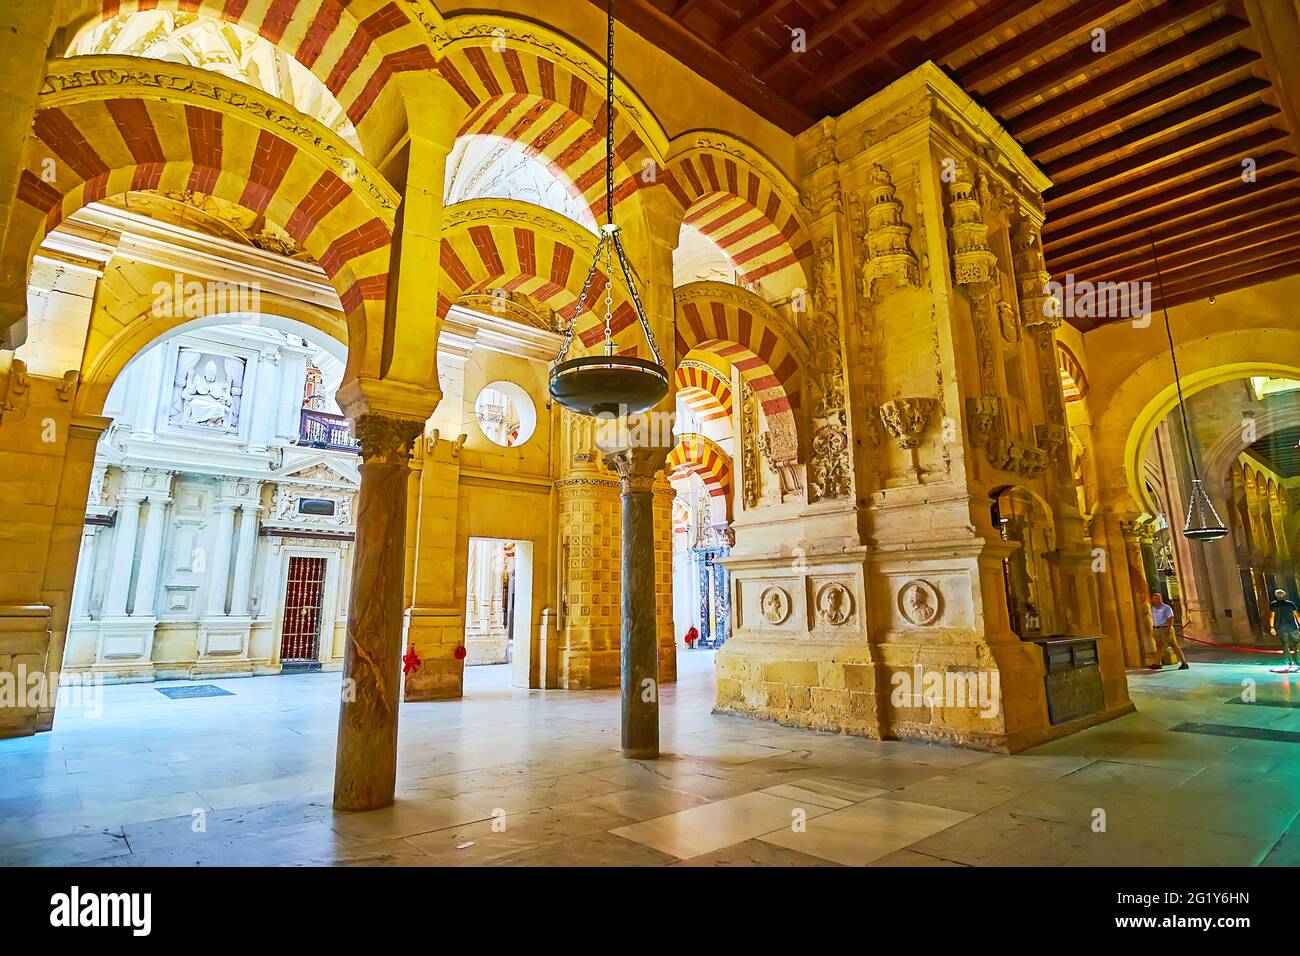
pixel 505 414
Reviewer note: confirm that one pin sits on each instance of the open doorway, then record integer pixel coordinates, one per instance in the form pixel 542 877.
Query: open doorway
pixel 498 602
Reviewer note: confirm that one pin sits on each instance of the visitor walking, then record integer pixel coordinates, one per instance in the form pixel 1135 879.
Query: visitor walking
pixel 1284 624
pixel 1162 621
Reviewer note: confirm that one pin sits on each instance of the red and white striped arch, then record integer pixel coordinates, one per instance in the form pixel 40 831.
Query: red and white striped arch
pixel 681 516
pixel 109 140
pixel 355 47
pixel 706 392
pixel 1074 383
pixel 744 214
pixel 738 328
pixel 556 115
pixel 697 455
pixel 541 255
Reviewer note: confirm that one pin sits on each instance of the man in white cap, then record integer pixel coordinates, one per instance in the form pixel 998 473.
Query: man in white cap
pixel 1284 624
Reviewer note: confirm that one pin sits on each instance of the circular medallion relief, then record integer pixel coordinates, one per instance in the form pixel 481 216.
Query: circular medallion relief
pixel 774 604
pixel 834 603
pixel 919 602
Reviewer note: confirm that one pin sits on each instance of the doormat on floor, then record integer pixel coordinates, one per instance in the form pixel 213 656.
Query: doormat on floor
pixel 186 691
pixel 1264 703
pixel 1245 733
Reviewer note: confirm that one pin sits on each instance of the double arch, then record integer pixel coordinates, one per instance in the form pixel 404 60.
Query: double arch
pixel 354 47
pixel 695 454
pixel 116 126
pixel 746 332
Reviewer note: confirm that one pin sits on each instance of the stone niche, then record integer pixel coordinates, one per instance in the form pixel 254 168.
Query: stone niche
pixel 892 619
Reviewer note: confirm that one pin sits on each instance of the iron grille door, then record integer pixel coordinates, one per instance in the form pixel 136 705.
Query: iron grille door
pixel 303 596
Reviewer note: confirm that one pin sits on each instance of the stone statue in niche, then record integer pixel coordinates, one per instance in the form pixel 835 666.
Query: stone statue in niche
pixel 774 604
pixel 207 390
pixel 834 603
pixel 918 601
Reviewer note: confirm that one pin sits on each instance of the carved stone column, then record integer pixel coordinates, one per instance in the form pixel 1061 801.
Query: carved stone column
pixel 244 554
pixel 365 774
pixel 151 552
pixel 636 469
pixel 127 525
pixel 219 566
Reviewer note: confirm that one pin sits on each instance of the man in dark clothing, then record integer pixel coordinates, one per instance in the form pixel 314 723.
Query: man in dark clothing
pixel 1284 624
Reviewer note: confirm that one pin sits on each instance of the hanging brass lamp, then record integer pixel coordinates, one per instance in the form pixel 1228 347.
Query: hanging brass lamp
pixel 1203 522
pixel 609 385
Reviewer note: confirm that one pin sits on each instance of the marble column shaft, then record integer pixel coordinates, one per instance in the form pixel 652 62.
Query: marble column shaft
pixel 85 577
pixel 639 658
pixel 219 567
pixel 119 575
pixel 244 560
pixel 365 775
pixel 155 523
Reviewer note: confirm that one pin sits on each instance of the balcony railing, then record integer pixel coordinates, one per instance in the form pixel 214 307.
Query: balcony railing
pixel 322 430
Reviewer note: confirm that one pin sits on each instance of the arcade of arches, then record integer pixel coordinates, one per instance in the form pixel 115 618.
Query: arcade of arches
pixel 888 454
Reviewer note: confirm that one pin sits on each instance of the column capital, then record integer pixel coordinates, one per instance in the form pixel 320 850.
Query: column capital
pixel 637 467
pixel 385 439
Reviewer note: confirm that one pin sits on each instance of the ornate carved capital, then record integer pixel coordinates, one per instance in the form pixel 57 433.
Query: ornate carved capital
pixel 385 440
pixel 637 467
pixel 907 418
pixel 982 415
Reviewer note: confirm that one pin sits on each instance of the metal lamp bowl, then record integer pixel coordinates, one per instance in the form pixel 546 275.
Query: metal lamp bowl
pixel 608 385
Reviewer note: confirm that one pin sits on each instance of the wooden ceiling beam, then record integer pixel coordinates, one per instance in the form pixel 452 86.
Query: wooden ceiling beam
pixel 1183 200
pixel 1243 281
pixel 1066 205
pixel 1076 63
pixel 1272 236
pixel 1233 266
pixel 1235 126
pixel 674 38
pixel 752 22
pixel 1227 229
pixel 973 28
pixel 884 42
pixel 1096 90
pixel 821 30
pixel 1006 56
pixel 1173 122
pixel 1156 96
pixel 1078 251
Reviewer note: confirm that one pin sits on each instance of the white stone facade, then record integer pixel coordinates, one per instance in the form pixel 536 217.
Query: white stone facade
pixel 211 481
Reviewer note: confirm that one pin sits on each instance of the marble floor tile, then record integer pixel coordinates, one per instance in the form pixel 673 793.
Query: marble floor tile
pixel 716 825
pixel 860 834
pixel 246 780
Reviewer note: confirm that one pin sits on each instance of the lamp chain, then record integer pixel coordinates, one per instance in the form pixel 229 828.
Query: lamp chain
pixel 1173 356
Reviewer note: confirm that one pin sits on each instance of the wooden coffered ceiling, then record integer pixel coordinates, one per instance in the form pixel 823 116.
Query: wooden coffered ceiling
pixel 1148 137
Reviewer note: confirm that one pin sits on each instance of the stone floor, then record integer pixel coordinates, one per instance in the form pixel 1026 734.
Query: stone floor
pixel 245 779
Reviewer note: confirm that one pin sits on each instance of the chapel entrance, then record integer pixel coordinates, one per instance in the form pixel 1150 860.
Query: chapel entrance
pixel 304 597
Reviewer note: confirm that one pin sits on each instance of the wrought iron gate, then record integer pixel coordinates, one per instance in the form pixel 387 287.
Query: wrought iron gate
pixel 303 595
